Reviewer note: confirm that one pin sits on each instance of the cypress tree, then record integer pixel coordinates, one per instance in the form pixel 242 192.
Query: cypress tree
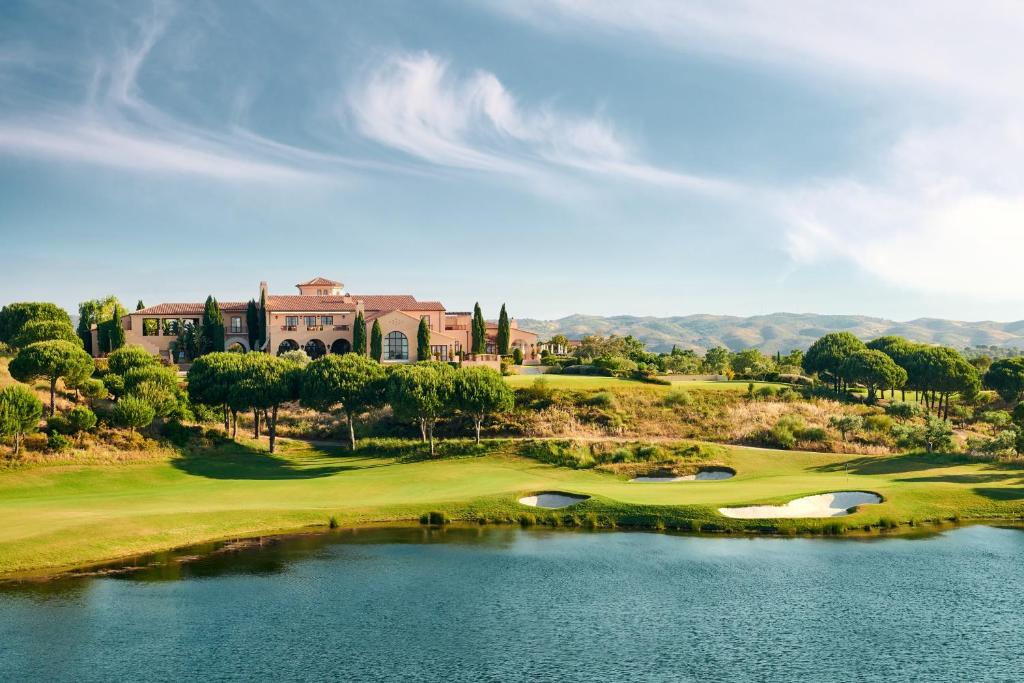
pixel 423 341
pixel 115 337
pixel 376 342
pixel 359 334
pixel 263 319
pixel 213 326
pixel 139 306
pixel 252 322
pixel 479 330
pixel 504 332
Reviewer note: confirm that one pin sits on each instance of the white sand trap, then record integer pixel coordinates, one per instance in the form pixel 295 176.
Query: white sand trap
pixel 552 501
pixel 703 475
pixel 824 505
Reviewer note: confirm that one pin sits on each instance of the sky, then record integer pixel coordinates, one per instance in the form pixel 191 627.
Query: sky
pixel 646 158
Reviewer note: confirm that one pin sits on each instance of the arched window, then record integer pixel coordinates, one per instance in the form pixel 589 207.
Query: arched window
pixel 315 348
pixel 341 346
pixel 396 346
pixel 287 345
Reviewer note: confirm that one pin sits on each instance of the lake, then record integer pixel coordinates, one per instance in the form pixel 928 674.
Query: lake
pixel 505 604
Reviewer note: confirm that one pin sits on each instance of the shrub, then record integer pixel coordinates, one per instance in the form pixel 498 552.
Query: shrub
pixel 602 399
pixel 881 424
pixel 615 365
pixel 996 418
pixel 527 519
pixel 813 434
pixel 132 413
pixel 57 443
pixel 93 389
pixel 784 433
pixel 332 522
pixel 517 356
pixel 902 411
pixel 847 424
pixel 677 398
pixel 81 419
pixel 58 424
pixel 586 370
pixel 764 393
pixel 435 517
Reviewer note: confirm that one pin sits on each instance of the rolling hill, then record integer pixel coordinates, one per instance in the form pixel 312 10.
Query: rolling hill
pixel 776 331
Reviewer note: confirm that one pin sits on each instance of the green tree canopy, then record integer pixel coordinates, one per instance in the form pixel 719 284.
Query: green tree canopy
pixel 352 383
pixel 127 357
pixel 132 412
pixel 45 330
pixel 252 324
pixel 155 384
pixel 376 341
pixel 423 341
pixel 210 379
pixel 20 412
pixel 115 332
pixel 359 335
pixel 52 360
pixel 751 363
pixel 478 337
pixel 96 312
pixel 424 391
pixel 480 392
pixel 212 328
pixel 1006 377
pixel 716 360
pixel 826 355
pixel 263 319
pixel 264 383
pixel 504 332
pixel 14 316
pixel 875 370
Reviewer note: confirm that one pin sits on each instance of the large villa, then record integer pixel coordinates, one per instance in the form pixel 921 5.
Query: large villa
pixel 320 319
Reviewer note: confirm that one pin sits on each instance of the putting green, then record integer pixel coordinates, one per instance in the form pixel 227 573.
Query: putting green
pixel 63 515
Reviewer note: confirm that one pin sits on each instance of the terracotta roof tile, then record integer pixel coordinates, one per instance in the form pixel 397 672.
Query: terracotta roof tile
pixel 188 309
pixel 319 281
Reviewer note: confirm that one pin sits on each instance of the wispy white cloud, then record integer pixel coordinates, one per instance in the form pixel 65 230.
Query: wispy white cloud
pixel 943 208
pixel 117 127
pixel 415 103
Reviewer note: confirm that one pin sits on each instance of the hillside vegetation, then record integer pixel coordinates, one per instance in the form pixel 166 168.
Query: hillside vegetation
pixel 776 331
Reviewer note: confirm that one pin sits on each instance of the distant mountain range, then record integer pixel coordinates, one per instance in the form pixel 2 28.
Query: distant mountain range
pixel 776 331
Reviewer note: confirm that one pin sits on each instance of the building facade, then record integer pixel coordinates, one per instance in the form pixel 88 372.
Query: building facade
pixel 320 319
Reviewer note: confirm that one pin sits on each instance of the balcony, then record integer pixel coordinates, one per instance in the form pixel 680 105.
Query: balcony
pixel 341 328
pixel 456 327
pixel 314 328
pixel 289 328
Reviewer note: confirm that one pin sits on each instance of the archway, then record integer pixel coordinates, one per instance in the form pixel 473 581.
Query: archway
pixel 396 346
pixel 315 348
pixel 236 347
pixel 341 346
pixel 287 345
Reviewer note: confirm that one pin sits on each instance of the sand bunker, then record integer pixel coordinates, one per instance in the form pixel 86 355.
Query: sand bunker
pixel 552 500
pixel 710 474
pixel 835 504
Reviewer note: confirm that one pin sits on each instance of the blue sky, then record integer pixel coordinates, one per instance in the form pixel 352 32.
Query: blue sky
pixel 656 158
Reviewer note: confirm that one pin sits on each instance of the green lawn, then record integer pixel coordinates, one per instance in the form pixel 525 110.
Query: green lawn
pixel 56 516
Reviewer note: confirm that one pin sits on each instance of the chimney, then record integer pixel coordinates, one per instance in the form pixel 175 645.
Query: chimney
pixel 359 306
pixel 263 288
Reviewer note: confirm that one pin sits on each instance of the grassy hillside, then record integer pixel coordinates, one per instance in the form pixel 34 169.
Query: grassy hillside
pixel 777 331
pixel 54 516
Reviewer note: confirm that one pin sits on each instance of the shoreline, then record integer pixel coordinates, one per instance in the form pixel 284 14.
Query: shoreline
pixel 190 552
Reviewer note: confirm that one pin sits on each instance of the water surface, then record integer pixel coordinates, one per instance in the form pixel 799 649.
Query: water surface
pixel 498 604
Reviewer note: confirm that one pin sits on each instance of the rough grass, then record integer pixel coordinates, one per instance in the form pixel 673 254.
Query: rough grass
pixel 60 514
